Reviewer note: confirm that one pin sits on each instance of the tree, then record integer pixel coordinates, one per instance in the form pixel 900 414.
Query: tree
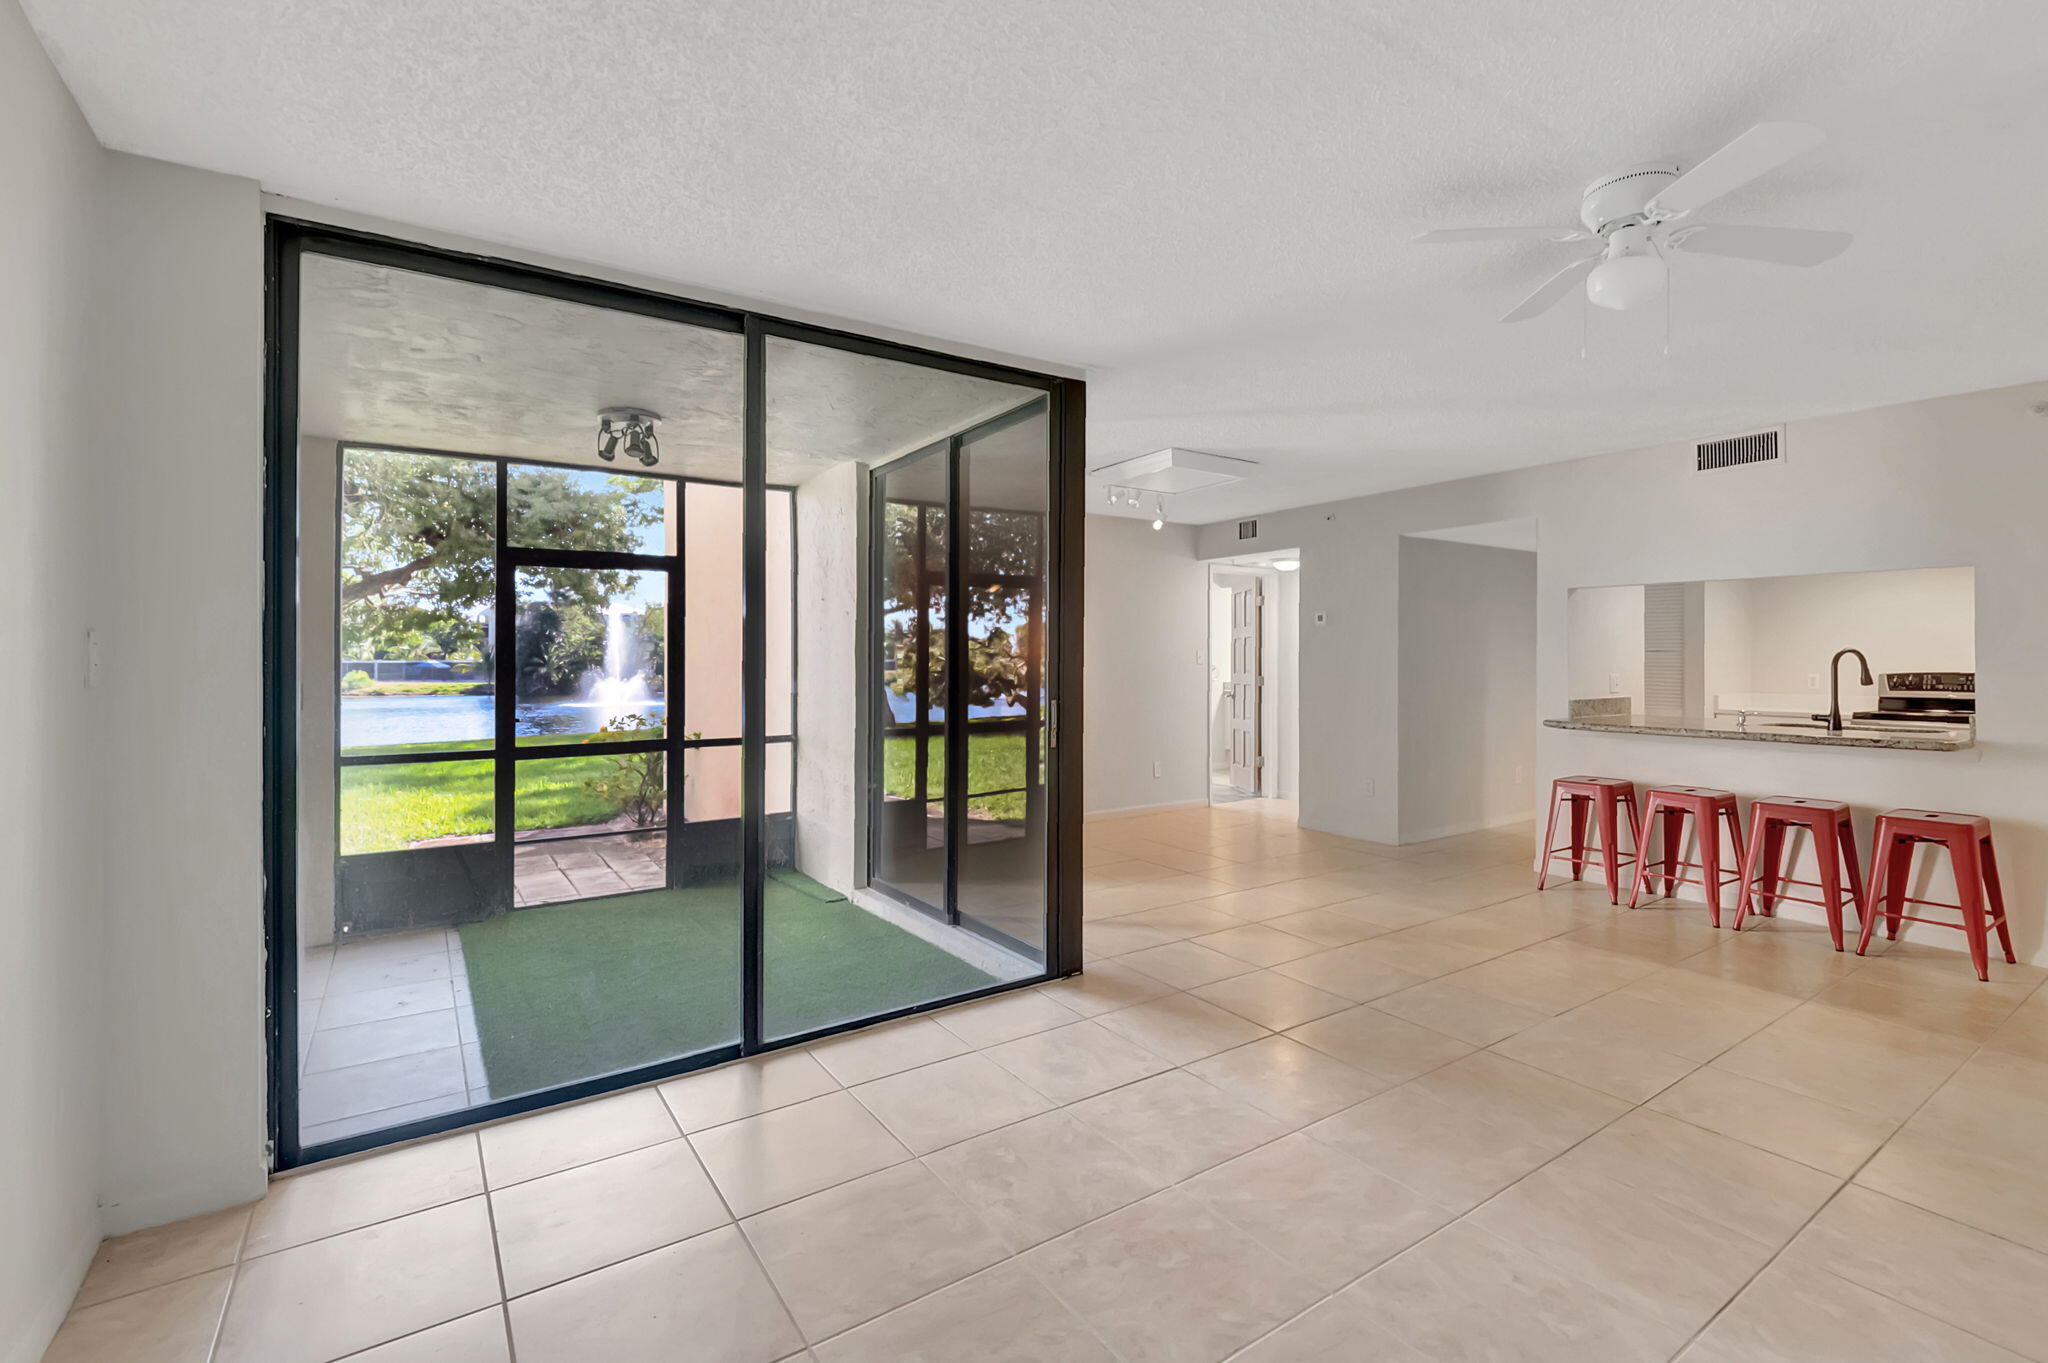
pixel 1000 615
pixel 418 533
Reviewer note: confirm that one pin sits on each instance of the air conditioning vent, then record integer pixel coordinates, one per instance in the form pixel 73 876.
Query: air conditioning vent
pixel 1737 450
pixel 1247 530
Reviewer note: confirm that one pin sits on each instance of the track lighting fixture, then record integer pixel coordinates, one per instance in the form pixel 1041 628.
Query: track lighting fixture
pixel 630 428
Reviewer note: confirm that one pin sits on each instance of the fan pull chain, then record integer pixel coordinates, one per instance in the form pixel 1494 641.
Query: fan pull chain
pixel 1585 320
pixel 1667 314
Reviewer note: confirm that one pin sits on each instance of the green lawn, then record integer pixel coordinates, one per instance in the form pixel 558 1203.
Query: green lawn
pixel 568 991
pixel 388 807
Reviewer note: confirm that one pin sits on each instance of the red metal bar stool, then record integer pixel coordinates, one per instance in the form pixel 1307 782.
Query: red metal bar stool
pixel 1834 849
pixel 1669 805
pixel 1603 798
pixel 1967 837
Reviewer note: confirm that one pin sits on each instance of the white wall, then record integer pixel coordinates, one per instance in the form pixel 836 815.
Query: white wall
pixel 54 838
pixel 1921 621
pixel 1146 651
pixel 1604 629
pixel 1959 480
pixel 1287 621
pixel 1468 686
pixel 831 818
pixel 178 411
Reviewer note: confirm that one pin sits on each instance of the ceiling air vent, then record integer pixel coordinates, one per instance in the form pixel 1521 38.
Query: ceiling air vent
pixel 1247 530
pixel 1737 450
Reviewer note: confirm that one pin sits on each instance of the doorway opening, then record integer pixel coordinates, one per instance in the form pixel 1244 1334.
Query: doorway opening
pixel 585 662
pixel 1252 729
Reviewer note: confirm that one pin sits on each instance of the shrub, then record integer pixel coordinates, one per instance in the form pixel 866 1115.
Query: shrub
pixel 357 680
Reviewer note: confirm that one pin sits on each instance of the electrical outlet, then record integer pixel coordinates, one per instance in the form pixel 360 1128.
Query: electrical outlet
pixel 1322 618
pixel 1369 786
pixel 1613 683
pixel 1813 681
pixel 94 666
pixel 1520 775
pixel 1158 770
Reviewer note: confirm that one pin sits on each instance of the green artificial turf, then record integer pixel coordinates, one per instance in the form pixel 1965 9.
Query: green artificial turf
pixel 569 991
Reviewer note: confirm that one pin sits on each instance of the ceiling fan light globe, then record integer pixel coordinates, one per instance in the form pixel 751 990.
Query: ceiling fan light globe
pixel 1624 282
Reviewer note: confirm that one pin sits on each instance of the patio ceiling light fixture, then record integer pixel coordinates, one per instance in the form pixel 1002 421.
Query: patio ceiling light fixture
pixel 632 428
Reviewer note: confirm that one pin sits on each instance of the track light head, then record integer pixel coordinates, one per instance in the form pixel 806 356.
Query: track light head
pixel 632 427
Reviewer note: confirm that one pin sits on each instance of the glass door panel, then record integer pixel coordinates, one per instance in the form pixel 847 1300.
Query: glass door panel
pixel 907 831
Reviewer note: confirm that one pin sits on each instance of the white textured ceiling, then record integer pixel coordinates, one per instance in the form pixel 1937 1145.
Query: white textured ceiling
pixel 1206 206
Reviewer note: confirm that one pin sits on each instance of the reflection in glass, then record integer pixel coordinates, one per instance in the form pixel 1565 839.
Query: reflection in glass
pixel 590 657
pixel 1005 476
pixel 910 833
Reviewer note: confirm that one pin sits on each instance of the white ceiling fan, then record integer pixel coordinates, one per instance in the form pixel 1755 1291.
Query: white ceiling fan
pixel 1643 217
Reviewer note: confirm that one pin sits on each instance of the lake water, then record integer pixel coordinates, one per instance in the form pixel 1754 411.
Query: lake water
pixel 374 721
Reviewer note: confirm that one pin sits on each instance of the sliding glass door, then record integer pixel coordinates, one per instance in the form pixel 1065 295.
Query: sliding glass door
pixel 613 729
pixel 958 762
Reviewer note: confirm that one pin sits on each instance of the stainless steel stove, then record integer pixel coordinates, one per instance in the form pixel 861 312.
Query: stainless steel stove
pixel 1926 697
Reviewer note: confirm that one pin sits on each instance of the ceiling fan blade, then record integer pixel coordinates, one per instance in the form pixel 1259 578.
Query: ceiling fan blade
pixel 1764 147
pixel 1451 234
pixel 1778 245
pixel 1552 289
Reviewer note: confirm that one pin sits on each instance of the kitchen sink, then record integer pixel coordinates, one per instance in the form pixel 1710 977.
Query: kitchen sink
pixel 1812 725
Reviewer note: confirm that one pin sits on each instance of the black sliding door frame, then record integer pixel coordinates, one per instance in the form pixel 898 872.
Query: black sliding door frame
pixel 287 240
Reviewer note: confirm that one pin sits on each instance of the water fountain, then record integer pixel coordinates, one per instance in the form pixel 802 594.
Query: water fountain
pixel 616 694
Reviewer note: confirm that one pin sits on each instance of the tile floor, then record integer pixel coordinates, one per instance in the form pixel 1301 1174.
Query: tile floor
pixel 1313 1099
pixel 387 1034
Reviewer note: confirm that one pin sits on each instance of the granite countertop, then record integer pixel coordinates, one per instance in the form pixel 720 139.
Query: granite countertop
pixel 1767 729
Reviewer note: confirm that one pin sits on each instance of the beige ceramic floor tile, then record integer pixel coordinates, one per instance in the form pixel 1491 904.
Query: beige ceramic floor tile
pixel 557 1226
pixel 1168 1281
pixel 937 1105
pixel 1426 951
pixel 174 1323
pixel 1181 1028
pixel 1001 1315
pixel 1470 1016
pixel 1963 1185
pixel 1174 1125
pixel 1180 921
pixel 852 1252
pixel 891 1048
pixel 1820 1135
pixel 1104 988
pixel 1849 1059
pixel 1669 1265
pixel 1184 965
pixel 2025 1031
pixel 1995 1106
pixel 1960 1007
pixel 1339 1330
pixel 1794 1313
pixel 1662 936
pixel 1260 944
pixel 704 1299
pixel 1271 999
pixel 332 1297
pixel 1530 1311
pixel 1687 1013
pixel 1380 1043
pixel 162 1254
pixel 1462 1133
pixel 1041 1177
pixel 1798 972
pixel 1350 972
pixel 1325 927
pixel 1322 1211
pixel 785 1154
pixel 1587 1048
pixel 561 1138
pixel 744 1088
pixel 340 1197
pixel 1074 1062
pixel 480 1338
pixel 990 1022
pixel 1285 1079
pixel 1703 1175
pixel 1974 1281
pixel 1551 976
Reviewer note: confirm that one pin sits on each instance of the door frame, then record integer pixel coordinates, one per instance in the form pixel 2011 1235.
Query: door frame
pixel 286 241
